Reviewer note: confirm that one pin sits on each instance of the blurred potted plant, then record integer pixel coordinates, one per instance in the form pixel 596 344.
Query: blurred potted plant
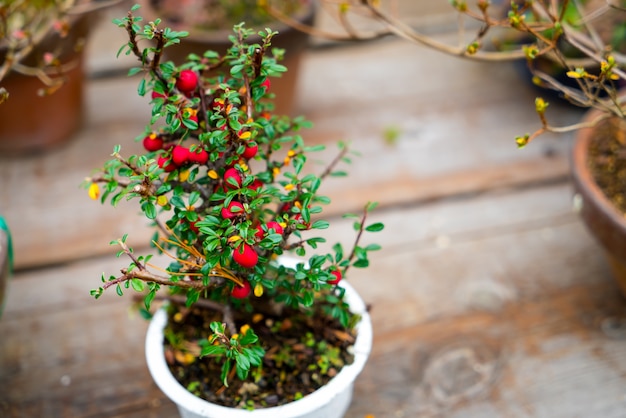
pixel 41 71
pixel 572 35
pixel 209 23
pixel 224 181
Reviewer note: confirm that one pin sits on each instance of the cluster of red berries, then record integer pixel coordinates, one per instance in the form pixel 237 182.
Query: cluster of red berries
pixel 174 156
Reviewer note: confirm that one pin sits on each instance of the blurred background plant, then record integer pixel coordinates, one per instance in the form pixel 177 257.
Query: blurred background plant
pixel 584 39
pixel 26 28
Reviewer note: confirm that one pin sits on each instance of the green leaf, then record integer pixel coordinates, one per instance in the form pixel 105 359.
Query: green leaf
pixel 134 70
pixel 225 371
pixel 242 361
pixel 378 226
pixel 320 225
pixel 363 263
pixel 307 299
pixel 149 298
pixel 149 209
pixel 213 350
pixel 137 285
pixel 373 247
pixel 141 89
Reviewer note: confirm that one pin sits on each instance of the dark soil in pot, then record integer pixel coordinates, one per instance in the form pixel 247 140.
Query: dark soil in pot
pixel 607 160
pixel 317 343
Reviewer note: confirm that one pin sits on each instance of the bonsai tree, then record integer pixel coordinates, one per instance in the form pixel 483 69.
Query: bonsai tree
pixel 225 183
pixel 586 38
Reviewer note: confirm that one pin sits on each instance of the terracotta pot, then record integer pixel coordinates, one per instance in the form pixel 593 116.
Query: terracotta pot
pixel 329 401
pixel 30 123
pixel 606 223
pixel 293 41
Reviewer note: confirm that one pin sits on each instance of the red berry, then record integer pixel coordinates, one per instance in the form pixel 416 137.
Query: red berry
pixel 267 84
pixel 180 155
pixel 233 174
pixel 187 81
pixel 232 210
pixel 219 104
pixel 241 292
pixel 300 220
pixel 250 151
pixel 270 225
pixel 245 256
pixel 193 227
pixel 166 164
pixel 156 95
pixel 337 278
pixel 255 185
pixel 152 143
pixel 199 156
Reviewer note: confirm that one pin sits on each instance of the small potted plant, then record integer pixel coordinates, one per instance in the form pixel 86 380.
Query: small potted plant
pixel 225 182
pixel 41 67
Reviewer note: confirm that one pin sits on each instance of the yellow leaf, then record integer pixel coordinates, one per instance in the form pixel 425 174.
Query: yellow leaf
pixel 234 238
pixel 162 200
pixel 213 174
pixel 245 135
pixel 574 74
pixel 258 290
pixel 244 328
pixel 184 358
pixel 94 191
pixel 184 175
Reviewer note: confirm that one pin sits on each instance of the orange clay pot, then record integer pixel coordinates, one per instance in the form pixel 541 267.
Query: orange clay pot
pixel 32 124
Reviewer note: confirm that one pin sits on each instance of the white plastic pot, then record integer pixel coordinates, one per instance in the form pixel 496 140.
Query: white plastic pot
pixel 330 401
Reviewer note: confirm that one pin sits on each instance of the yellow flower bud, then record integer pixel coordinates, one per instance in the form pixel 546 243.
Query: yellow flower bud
pixel 94 191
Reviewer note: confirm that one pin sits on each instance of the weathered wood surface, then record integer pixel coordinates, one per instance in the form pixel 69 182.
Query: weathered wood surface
pixel 489 298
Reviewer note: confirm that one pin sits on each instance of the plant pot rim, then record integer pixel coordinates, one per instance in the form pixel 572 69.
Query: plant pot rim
pixel 308 404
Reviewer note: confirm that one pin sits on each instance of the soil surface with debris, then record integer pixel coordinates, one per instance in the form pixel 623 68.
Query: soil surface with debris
pixel 607 160
pixel 299 347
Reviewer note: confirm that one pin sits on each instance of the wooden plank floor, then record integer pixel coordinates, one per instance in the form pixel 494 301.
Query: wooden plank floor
pixel 489 298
